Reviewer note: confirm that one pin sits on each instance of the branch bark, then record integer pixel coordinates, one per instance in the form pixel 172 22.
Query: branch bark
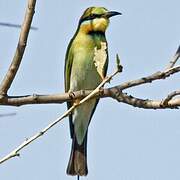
pixel 113 92
pixel 170 97
pixel 142 103
pixel 9 77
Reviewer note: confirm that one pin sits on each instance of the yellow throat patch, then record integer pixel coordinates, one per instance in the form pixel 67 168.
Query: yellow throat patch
pixel 98 24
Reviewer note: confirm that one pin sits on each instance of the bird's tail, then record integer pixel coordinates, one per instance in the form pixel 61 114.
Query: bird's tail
pixel 78 159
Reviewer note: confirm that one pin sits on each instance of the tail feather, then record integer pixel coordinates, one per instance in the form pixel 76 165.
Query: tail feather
pixel 78 159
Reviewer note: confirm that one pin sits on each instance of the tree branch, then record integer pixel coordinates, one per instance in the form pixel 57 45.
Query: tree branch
pixel 115 93
pixel 28 141
pixel 170 97
pixel 9 77
pixel 110 92
pixel 174 59
pixel 148 79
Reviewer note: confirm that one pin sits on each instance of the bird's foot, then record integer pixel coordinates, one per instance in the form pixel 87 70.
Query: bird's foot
pixel 101 91
pixel 71 94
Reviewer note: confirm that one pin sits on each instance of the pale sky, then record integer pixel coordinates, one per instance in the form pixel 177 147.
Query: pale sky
pixel 124 143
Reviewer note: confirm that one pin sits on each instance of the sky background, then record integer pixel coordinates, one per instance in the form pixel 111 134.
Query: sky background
pixel 124 142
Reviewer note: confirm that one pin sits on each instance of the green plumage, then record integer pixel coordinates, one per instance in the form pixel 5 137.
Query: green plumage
pixel 81 74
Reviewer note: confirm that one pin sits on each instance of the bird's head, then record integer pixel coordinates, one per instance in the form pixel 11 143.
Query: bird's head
pixel 96 19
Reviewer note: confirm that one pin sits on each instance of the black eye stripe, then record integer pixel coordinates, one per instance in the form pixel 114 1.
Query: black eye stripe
pixel 96 15
pixel 92 16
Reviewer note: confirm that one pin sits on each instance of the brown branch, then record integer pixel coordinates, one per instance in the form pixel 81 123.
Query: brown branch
pixel 118 95
pixel 113 92
pixel 9 77
pixel 28 141
pixel 61 98
pixel 148 79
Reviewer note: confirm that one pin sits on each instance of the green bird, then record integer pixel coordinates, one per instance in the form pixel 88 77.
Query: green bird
pixel 81 74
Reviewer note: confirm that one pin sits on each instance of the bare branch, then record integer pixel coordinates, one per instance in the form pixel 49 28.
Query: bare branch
pixel 9 77
pixel 40 99
pixel 148 79
pixel 174 59
pixel 110 92
pixel 15 152
pixel 115 93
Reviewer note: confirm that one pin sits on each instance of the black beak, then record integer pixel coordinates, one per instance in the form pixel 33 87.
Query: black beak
pixel 112 13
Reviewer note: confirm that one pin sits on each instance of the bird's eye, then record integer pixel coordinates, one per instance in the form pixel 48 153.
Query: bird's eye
pixel 95 16
pixel 92 16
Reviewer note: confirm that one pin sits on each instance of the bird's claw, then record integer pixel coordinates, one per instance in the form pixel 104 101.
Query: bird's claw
pixel 71 94
pixel 101 91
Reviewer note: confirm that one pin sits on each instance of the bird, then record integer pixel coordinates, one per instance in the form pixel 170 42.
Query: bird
pixel 80 73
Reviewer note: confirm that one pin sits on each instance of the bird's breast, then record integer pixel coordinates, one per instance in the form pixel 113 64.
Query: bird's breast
pixel 84 74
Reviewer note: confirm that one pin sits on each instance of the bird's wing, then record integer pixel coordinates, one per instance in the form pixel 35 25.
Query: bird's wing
pixel 67 75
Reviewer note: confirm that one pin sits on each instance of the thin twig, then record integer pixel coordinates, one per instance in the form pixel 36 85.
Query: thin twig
pixel 15 25
pixel 148 79
pixel 174 59
pixel 169 97
pixel 9 77
pixel 15 152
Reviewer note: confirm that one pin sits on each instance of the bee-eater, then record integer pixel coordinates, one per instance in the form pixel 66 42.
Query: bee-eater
pixel 81 74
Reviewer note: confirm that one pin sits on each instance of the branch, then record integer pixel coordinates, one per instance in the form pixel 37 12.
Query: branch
pixel 110 92
pixel 148 79
pixel 15 152
pixel 9 77
pixel 174 59
pixel 118 95
pixel 170 97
